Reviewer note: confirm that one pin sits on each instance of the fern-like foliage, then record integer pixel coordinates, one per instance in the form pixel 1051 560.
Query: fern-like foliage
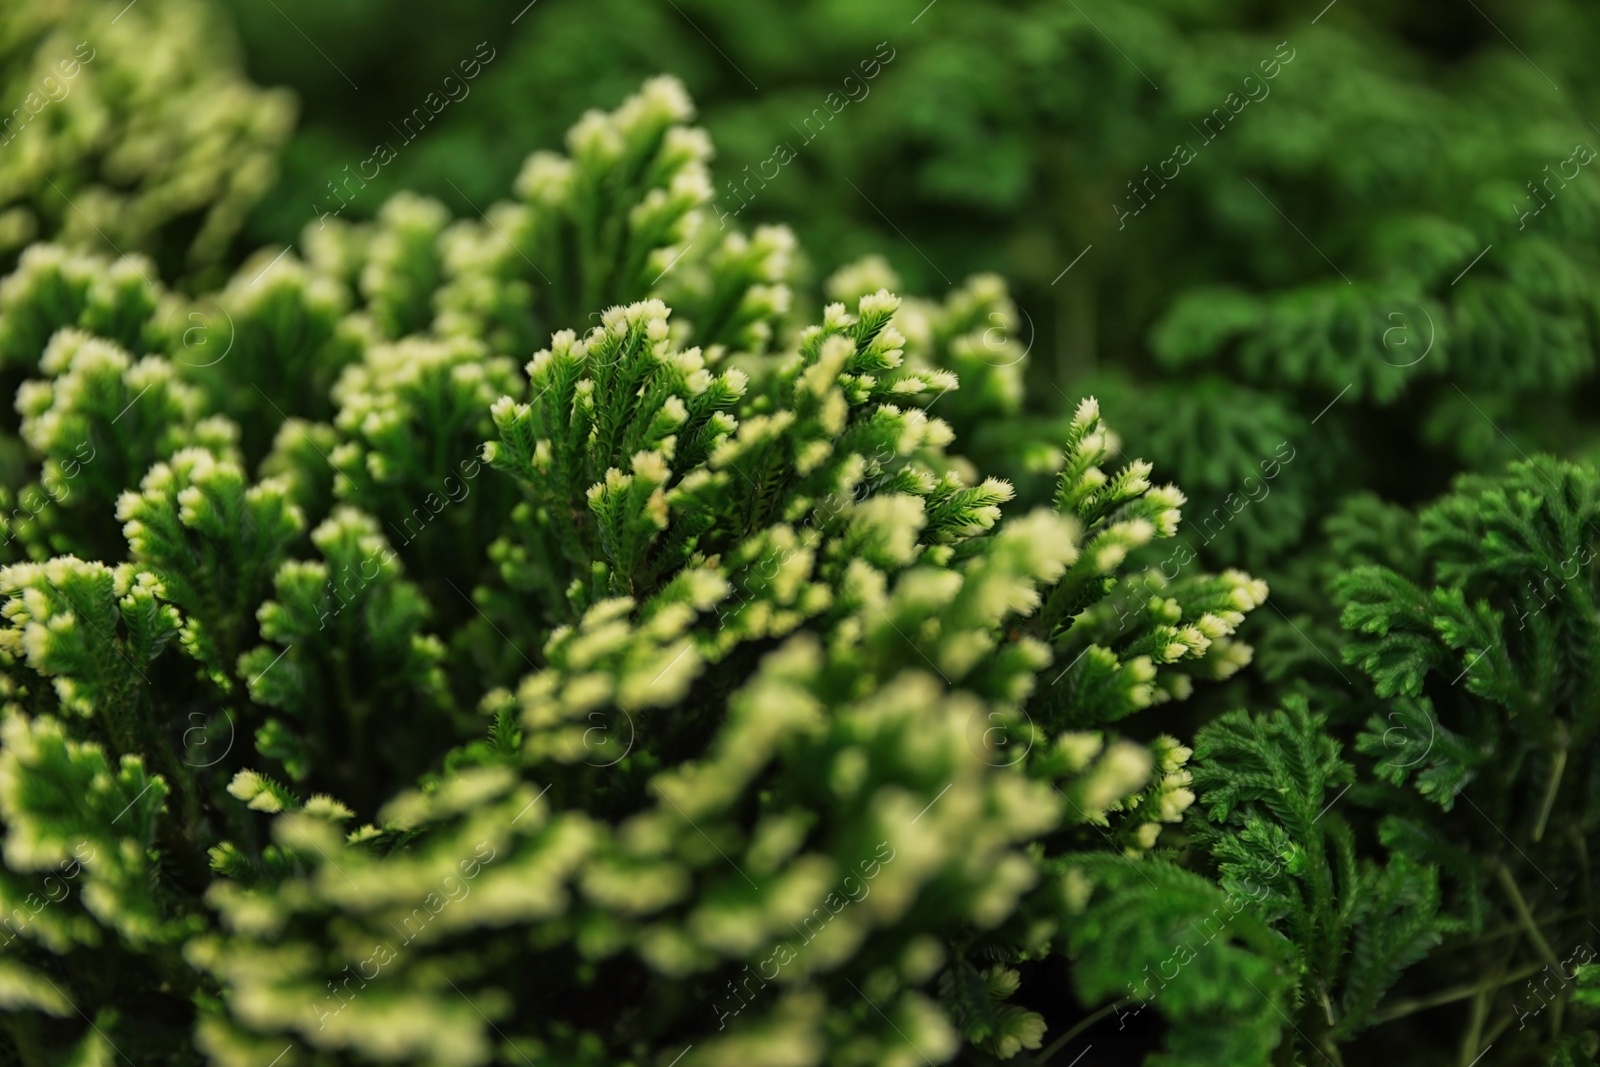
pixel 1270 787
pixel 1486 645
pixel 134 131
pixel 406 693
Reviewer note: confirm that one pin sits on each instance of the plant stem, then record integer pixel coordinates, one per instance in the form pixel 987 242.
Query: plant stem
pixel 1469 1041
pixel 1582 849
pixel 1504 931
pixel 1407 1007
pixel 1481 1001
pixel 1060 1042
pixel 1497 1029
pixel 1562 740
pixel 1525 915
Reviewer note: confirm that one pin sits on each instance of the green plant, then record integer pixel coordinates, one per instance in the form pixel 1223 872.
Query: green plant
pixel 394 707
pixel 1267 784
pixel 1486 644
pixel 1443 867
pixel 1340 172
pixel 541 610
pixel 132 130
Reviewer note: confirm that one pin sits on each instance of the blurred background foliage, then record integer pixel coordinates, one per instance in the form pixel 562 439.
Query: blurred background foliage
pixel 165 146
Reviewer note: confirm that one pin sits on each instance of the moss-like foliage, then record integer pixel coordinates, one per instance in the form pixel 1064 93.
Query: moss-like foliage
pixel 558 615
pixel 131 129
pixel 381 694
